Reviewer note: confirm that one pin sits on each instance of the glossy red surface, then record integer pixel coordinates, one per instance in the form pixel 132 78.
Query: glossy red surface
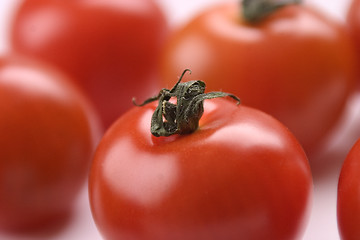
pixel 298 65
pixel 110 48
pixel 242 174
pixel 348 201
pixel 322 224
pixel 48 135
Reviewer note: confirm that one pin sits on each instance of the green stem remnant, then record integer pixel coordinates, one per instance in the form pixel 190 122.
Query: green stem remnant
pixel 256 10
pixel 183 117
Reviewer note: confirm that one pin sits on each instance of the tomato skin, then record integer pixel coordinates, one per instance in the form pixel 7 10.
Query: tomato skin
pixel 241 175
pixel 48 135
pixel 109 47
pixel 348 199
pixel 296 65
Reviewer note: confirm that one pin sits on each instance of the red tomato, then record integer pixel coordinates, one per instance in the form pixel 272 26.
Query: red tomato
pixel 296 64
pixel 110 47
pixel 48 133
pixel 348 202
pixel 241 175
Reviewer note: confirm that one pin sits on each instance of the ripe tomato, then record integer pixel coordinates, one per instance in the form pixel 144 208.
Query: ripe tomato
pixel 48 133
pixel 241 175
pixel 110 47
pixel 296 64
pixel 348 202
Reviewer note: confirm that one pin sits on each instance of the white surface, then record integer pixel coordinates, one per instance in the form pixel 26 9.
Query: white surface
pixel 322 224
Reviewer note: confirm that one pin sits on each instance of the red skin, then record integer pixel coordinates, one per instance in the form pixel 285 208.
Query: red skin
pixel 241 175
pixel 348 203
pixel 48 135
pixel 296 65
pixel 109 47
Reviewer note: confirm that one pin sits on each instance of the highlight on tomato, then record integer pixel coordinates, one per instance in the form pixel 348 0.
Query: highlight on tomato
pixel 183 165
pixel 348 199
pixel 110 48
pixel 287 59
pixel 48 132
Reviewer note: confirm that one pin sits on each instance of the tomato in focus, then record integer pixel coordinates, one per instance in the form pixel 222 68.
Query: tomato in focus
pixel 48 133
pixel 110 48
pixel 241 175
pixel 296 64
pixel 348 199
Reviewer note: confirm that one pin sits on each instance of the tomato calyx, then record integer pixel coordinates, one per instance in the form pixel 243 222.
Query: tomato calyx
pixel 255 10
pixel 183 116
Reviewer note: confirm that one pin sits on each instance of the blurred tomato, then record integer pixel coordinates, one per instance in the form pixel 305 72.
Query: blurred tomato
pixel 241 175
pixel 48 132
pixel 296 64
pixel 348 202
pixel 110 47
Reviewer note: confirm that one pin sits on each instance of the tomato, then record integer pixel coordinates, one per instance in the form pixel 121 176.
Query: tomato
pixel 296 64
pixel 348 199
pixel 109 47
pixel 240 175
pixel 48 135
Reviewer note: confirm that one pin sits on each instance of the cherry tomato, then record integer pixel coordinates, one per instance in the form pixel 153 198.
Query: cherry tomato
pixel 296 64
pixel 240 175
pixel 348 201
pixel 109 47
pixel 48 135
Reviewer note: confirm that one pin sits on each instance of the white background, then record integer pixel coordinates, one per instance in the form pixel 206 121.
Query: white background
pixel 322 224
